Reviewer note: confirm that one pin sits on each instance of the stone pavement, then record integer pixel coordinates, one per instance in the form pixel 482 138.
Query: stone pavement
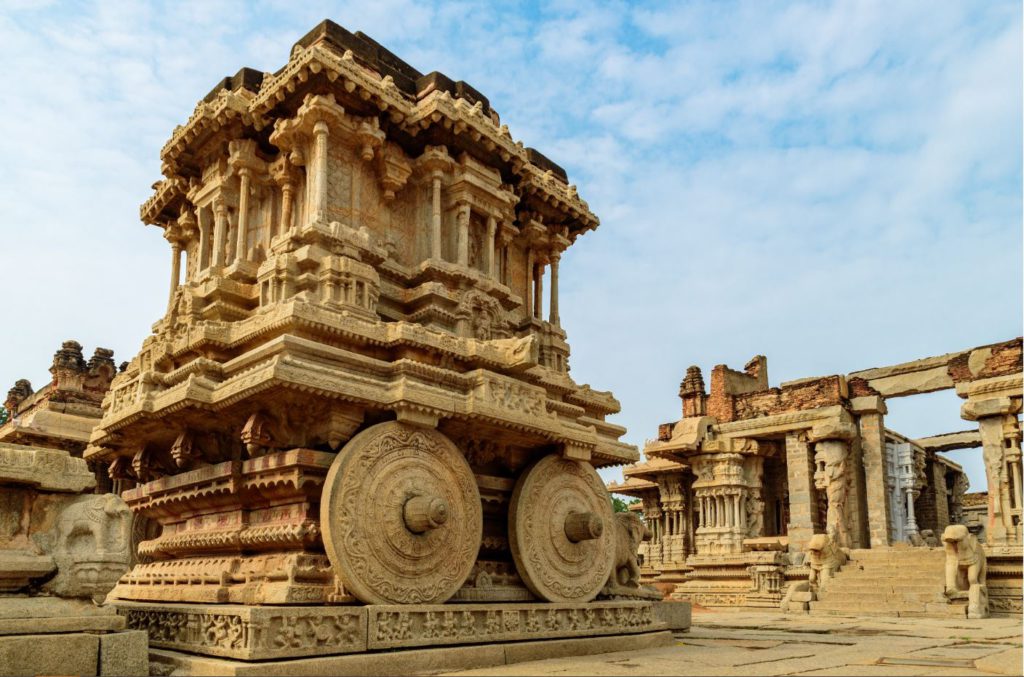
pixel 741 643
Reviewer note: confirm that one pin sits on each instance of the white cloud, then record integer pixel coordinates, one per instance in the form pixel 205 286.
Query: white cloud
pixel 836 185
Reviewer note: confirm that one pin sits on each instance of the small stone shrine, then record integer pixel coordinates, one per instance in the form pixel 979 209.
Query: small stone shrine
pixel 62 413
pixel 62 548
pixel 354 423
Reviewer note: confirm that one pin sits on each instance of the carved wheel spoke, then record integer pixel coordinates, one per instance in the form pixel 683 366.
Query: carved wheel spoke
pixel 401 516
pixel 560 530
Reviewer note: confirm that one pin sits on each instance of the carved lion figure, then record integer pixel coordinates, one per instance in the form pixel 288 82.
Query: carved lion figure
pixel 824 558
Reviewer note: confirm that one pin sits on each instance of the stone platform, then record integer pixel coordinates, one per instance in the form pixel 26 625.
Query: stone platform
pixel 288 633
pixel 411 661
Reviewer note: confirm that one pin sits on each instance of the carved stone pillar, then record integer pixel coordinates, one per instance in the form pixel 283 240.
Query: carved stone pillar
pixel 489 248
pixel 220 232
pixel 553 309
pixel 538 290
pixel 830 476
pixel 529 281
pixel 870 422
pixel 1000 528
pixel 320 132
pixel 801 491
pixel 245 176
pixel 462 222
pixel 175 268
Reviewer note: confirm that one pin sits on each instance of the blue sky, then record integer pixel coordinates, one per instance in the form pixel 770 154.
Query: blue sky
pixel 836 185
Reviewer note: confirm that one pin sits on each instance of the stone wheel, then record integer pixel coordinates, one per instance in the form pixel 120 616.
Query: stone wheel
pixel 401 516
pixel 560 530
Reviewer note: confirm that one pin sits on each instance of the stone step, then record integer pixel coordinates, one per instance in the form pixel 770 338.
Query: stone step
pixel 901 560
pixel 886 598
pixel 818 611
pixel 868 608
pixel 886 587
pixel 900 573
pixel 891 613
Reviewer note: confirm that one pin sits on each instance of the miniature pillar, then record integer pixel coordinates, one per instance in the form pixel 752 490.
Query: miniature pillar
pixel 801 492
pixel 287 191
pixel 175 269
pixel 538 290
pixel 529 281
pixel 553 306
pixel 204 244
pixel 870 423
pixel 220 233
pixel 435 223
pixel 320 131
pixel 462 218
pixel 489 246
pixel 911 520
pixel 244 174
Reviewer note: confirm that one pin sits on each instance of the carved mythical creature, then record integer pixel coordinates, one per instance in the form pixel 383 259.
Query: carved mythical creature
pixel 965 569
pixel 830 476
pixel 624 578
pixel 629 532
pixel 824 558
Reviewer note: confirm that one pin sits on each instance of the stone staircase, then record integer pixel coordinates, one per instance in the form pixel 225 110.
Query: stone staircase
pixel 895 581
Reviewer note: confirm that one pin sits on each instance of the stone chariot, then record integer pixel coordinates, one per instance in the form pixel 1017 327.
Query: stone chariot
pixel 353 423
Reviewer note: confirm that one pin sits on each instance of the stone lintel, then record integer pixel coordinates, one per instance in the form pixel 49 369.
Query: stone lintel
pixel 782 423
pixel 965 439
pixel 869 404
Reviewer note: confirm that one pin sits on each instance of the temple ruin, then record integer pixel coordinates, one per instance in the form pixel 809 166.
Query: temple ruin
pixel 62 414
pixel 736 489
pixel 353 423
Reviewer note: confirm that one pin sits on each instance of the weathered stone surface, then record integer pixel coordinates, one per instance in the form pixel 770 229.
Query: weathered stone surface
pixel 63 654
pixel 60 553
pixel 124 653
pixel 62 413
pixel 676 615
pixel 44 469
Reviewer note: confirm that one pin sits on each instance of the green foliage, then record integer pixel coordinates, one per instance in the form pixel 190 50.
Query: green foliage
pixel 621 505
pixel 4 414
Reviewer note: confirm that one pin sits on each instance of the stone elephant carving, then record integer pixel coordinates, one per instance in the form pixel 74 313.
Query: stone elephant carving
pixel 824 558
pixel 105 517
pixel 965 569
pixel 91 545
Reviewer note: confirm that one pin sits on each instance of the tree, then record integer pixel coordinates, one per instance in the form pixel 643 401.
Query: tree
pixel 621 505
pixel 4 415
